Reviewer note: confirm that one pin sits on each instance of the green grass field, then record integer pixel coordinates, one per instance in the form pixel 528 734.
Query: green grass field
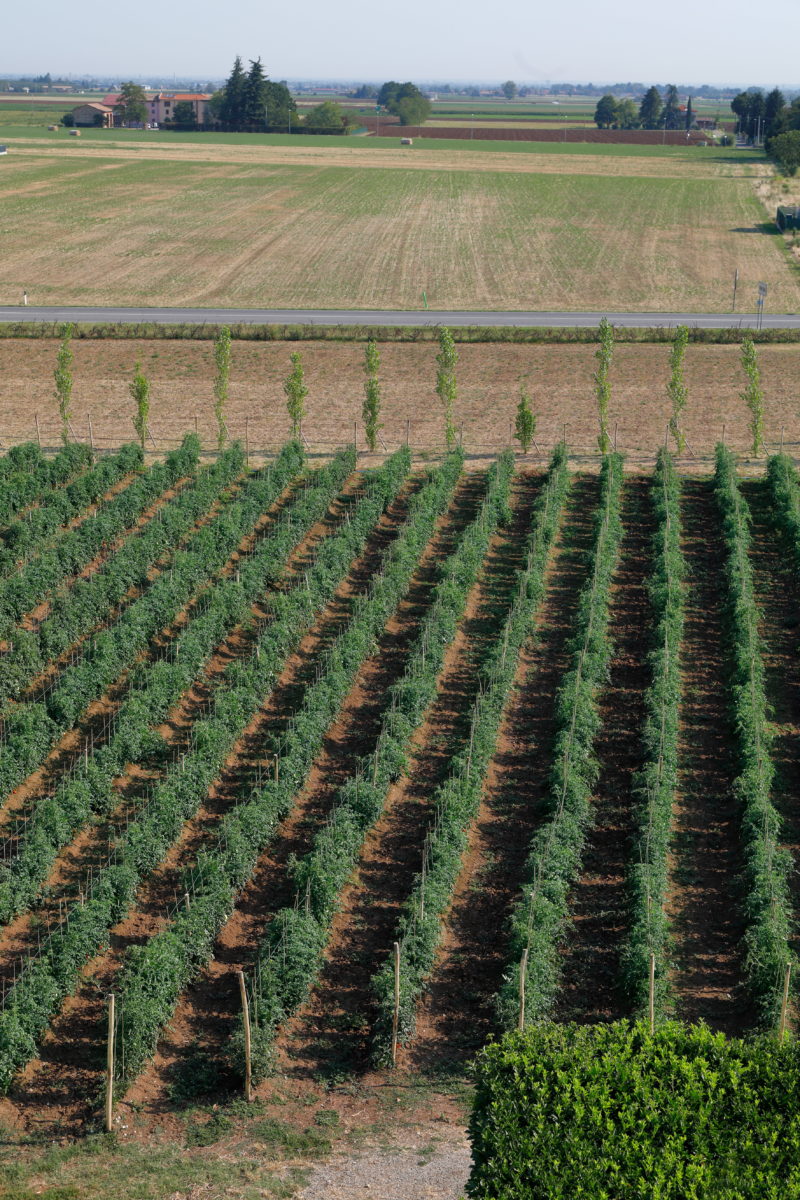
pixel 332 232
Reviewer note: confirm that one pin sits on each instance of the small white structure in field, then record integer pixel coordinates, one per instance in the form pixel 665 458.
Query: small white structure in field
pixel 406 141
pixel 3 149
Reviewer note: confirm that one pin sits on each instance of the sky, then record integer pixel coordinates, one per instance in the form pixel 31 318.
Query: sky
pixel 730 42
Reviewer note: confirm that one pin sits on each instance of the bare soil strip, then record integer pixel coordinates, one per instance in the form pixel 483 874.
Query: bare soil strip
pixel 64 1084
pixel 332 1032
pixel 704 902
pixel 206 1015
pixel 457 1015
pixel 590 989
pixel 775 586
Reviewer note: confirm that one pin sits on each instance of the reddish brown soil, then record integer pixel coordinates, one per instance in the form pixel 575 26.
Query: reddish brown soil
pixel 389 126
pixel 456 1014
pixel 65 1082
pixel 206 1013
pixel 775 586
pixel 332 1033
pixel 704 901
pixel 590 988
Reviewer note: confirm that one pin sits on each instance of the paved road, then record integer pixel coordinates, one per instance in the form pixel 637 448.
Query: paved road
pixel 289 316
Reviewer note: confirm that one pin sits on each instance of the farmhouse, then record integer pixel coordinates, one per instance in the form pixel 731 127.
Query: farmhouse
pixel 161 105
pixel 93 114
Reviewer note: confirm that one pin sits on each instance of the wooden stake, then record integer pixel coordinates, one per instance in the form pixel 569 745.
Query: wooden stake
pixel 110 1064
pixel 275 759
pixel 615 434
pixel 247 440
pixel 396 1013
pixel 781 439
pixel 91 434
pixel 248 1072
pixel 355 435
pixel 723 433
pixel 408 433
pixel 195 426
pixel 187 900
pixel 652 1004
pixel 785 1001
pixel 565 433
pixel 38 431
pixel 523 970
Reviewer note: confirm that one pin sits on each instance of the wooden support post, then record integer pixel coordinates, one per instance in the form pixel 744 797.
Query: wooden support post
pixel 247 440
pixel 565 433
pixel 38 431
pixel 248 1066
pixel 110 1064
pixel 666 434
pixel 723 433
pixel 781 439
pixel 615 434
pixel 408 433
pixel 652 994
pixel 275 761
pixel 355 435
pixel 523 971
pixel 187 900
pixel 196 433
pixel 785 1001
pixel 396 1013
pixel 91 434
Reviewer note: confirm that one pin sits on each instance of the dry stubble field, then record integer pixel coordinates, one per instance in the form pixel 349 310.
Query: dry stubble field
pixel 173 223
pixel 559 379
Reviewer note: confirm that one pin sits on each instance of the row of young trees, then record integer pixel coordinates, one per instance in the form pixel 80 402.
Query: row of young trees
pixel 296 390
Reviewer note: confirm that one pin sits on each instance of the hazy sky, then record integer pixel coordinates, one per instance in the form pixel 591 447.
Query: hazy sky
pixel 715 42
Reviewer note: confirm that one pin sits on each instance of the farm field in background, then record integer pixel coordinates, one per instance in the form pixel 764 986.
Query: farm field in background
pixel 325 704
pixel 559 379
pixel 560 234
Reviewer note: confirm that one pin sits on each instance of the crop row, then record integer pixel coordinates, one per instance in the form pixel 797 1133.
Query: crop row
pixel 26 475
pixel 156 686
pixel 52 974
pixel 456 800
pixel 289 956
pixel 540 916
pixel 767 864
pixel 157 972
pixel 656 784
pixel 29 532
pixel 39 577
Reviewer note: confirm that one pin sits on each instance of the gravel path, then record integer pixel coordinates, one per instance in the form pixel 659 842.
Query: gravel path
pixel 419 1170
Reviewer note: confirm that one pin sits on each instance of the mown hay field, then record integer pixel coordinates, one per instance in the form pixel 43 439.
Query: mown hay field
pixel 559 379
pixel 246 227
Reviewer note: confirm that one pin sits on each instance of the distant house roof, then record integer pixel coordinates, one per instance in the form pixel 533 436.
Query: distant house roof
pixel 93 104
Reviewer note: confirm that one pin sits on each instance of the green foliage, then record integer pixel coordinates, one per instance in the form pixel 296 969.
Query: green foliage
pixel 406 101
pixel 222 361
pixel 525 422
pixel 456 800
pixel 753 395
pixel 371 408
pixel 295 390
pixel 677 387
pixel 140 393
pixel 327 117
pixel 605 113
pixel 566 1111
pixel 26 476
pixel 131 107
pixel 785 151
pixel 183 115
pixel 63 380
pixel 602 383
pixel 540 917
pixel 768 864
pixel 657 782
pixel 650 109
pixel 446 386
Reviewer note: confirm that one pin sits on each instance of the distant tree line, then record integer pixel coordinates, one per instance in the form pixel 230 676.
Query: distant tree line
pixel 654 111
pixel 250 102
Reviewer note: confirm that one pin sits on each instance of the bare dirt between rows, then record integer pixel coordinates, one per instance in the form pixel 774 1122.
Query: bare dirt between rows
pixel 704 903
pixel 599 904
pixel 775 587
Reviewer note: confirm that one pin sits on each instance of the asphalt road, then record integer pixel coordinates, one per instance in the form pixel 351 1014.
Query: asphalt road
pixel 289 316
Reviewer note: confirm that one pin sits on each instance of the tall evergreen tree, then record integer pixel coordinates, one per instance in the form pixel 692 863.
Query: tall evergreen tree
pixel 774 112
pixel 671 115
pixel 233 105
pixel 255 97
pixel 650 109
pixel 689 114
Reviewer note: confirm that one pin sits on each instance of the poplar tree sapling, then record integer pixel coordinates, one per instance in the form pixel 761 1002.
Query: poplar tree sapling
pixel 222 360
pixel 446 387
pixel 677 387
pixel 296 392
pixel 753 395
pixel 139 389
pixel 372 394
pixel 63 380
pixel 601 381
pixel 525 423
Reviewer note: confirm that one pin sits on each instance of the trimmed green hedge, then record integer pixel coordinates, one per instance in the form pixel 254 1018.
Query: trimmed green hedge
pixel 605 1112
